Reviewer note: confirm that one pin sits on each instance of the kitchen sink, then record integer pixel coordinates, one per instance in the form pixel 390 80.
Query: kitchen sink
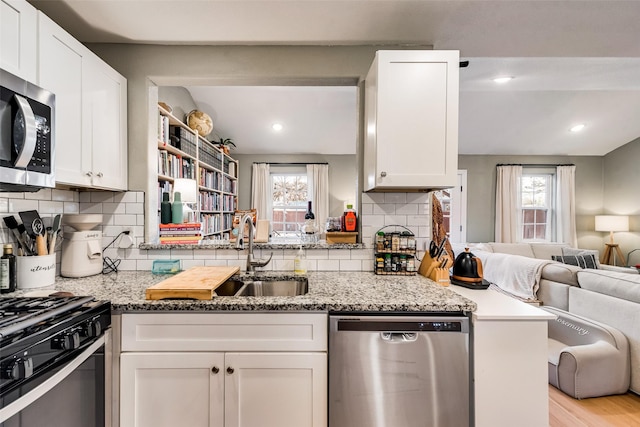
pixel 264 288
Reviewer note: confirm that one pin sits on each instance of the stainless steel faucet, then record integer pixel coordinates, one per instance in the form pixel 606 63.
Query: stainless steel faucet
pixel 251 262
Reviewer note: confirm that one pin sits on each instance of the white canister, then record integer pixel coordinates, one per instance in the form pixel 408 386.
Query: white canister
pixel 36 271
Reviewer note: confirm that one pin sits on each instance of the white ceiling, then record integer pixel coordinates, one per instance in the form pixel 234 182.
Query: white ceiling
pixel 573 61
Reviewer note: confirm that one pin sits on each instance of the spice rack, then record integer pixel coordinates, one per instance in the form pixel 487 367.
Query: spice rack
pixel 395 252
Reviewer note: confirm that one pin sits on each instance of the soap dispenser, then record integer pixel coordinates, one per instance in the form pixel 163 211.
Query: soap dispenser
pixel 300 262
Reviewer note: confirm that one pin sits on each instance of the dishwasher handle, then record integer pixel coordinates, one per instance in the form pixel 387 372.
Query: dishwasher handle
pixel 398 336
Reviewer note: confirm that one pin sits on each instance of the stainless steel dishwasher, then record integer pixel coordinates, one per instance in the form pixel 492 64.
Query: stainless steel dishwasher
pixel 399 371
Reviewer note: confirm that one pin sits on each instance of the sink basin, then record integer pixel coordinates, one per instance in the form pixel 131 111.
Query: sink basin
pixel 264 288
pixel 229 288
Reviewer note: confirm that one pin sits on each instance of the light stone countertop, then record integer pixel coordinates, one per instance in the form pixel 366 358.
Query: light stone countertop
pixel 225 244
pixel 328 291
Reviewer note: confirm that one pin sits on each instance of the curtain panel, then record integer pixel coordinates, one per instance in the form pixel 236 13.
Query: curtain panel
pixel 318 182
pixel 508 217
pixel 566 205
pixel 261 196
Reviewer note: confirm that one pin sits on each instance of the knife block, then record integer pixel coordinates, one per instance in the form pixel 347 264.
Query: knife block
pixel 430 268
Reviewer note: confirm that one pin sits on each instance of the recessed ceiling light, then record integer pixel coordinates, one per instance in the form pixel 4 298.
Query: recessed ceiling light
pixel 277 127
pixel 577 128
pixel 502 79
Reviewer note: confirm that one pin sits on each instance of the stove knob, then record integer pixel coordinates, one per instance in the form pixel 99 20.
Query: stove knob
pixel 66 341
pixel 18 369
pixel 93 328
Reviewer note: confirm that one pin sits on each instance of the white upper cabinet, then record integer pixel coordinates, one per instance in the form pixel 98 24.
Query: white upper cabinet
pixel 18 38
pixel 91 108
pixel 411 110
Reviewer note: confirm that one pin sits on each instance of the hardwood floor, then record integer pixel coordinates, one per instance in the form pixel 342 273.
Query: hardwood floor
pixel 610 411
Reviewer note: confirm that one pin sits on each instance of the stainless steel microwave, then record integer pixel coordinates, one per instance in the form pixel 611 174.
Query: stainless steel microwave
pixel 27 135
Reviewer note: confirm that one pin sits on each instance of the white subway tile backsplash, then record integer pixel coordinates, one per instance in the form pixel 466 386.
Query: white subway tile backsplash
pixel 144 265
pixel 181 253
pixel 215 262
pixel 71 208
pixel 384 209
pixel 113 208
pixel 395 198
pixel 361 254
pixel 366 209
pixel 43 194
pixel 159 254
pixel 19 205
pixel 84 196
pixel 372 197
pixel 49 207
pixel 134 208
pixel 375 221
pixel 90 208
pixel 125 220
pixel 204 254
pixel 418 220
pixel 408 209
pixel 395 220
pixel 317 253
pixel 64 196
pixel 418 197
pixel 127 197
pixel 350 265
pixel 4 205
pixel 328 265
pixel 339 255
pixel 128 265
pixel 101 196
pixel 188 263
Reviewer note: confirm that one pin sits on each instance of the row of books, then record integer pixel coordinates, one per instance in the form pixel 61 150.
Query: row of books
pixel 186 233
pixel 215 223
pixel 210 155
pixel 175 166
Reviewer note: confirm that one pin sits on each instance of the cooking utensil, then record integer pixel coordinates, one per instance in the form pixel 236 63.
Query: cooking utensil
pixel 55 229
pixel 12 223
pixel 26 239
pixel 41 245
pixel 441 248
pixel 433 249
pixel 27 219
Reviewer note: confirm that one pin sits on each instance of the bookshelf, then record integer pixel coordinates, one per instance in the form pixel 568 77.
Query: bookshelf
pixel 182 153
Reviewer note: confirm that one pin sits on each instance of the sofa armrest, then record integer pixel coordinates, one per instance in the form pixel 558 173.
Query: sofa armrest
pixel 629 270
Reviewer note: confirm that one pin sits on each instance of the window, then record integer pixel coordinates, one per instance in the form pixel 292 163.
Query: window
pixel 289 202
pixel 536 195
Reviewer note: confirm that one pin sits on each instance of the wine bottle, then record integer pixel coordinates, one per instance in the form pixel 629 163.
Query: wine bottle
pixel 309 214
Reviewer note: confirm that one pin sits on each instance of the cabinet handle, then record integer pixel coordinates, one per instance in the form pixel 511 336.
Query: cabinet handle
pixel 89 173
pixel 383 174
pixel 100 175
pixel 229 370
pixel 215 369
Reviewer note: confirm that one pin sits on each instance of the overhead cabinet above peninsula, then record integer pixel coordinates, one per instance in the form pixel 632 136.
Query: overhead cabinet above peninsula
pixel 411 110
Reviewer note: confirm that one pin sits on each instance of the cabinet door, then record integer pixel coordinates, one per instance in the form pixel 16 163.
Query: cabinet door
pixel 18 38
pixel 171 389
pixel 60 68
pixel 105 101
pixel 412 120
pixel 275 389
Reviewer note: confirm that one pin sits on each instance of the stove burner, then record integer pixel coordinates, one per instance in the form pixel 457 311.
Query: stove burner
pixel 37 334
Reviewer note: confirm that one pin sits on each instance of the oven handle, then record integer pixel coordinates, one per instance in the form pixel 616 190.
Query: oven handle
pixel 26 400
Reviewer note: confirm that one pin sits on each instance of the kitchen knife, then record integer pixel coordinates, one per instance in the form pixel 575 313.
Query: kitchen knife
pixel 441 248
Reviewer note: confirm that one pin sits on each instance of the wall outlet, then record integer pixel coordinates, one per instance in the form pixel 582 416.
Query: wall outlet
pixel 125 242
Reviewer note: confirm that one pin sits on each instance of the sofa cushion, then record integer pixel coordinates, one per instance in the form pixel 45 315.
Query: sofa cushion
pixel 546 250
pixel 619 285
pixel 561 273
pixel 582 261
pixel 523 249
pixel 577 251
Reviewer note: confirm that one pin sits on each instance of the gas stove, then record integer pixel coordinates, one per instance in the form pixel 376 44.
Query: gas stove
pixel 40 333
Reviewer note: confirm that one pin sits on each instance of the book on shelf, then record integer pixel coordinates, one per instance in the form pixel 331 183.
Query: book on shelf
pixel 180 238
pixel 179 241
pixel 171 233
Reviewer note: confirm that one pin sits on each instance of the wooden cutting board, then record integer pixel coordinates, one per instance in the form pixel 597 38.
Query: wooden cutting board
pixel 194 283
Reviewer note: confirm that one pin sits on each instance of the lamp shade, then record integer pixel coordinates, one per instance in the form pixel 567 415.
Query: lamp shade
pixel 188 189
pixel 612 223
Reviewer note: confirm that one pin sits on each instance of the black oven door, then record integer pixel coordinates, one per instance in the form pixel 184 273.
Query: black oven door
pixel 71 395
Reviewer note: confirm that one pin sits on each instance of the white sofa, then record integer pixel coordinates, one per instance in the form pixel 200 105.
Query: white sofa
pixel 609 295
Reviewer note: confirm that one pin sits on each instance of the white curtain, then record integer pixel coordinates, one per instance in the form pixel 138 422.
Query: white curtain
pixel 566 205
pixel 507 227
pixel 261 190
pixel 318 187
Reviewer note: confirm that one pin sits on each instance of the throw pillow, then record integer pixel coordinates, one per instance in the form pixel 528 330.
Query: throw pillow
pixel 574 251
pixel 582 261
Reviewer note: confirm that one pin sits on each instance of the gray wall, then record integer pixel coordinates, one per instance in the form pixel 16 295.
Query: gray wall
pixel 179 99
pixel 481 184
pixel 342 176
pixel 622 194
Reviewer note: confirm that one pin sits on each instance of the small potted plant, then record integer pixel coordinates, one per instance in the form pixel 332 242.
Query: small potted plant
pixel 224 144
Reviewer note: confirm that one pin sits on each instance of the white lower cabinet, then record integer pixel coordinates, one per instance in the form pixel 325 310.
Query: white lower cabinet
pixel 258 386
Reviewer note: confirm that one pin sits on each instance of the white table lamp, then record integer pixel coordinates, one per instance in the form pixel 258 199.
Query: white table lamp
pixel 611 224
pixel 188 189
